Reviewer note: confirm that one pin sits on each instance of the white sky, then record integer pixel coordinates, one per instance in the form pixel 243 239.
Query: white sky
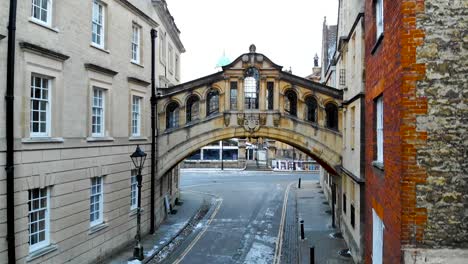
pixel 288 32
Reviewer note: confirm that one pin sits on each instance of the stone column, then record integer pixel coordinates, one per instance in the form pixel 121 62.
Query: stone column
pixel 240 94
pixel 271 155
pixel 262 95
pixel 276 95
pixel 242 158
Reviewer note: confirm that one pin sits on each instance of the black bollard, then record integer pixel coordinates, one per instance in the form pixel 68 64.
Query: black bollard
pixel 302 230
pixel 312 255
pixel 299 185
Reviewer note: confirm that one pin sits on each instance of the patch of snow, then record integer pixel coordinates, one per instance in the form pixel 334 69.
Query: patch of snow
pixel 266 239
pixel 259 254
pixel 199 225
pixel 135 261
pixel 270 212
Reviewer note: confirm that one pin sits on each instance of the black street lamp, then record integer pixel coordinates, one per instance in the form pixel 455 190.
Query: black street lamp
pixel 138 158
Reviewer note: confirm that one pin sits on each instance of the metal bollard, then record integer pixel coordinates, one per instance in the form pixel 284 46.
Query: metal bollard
pixel 302 230
pixel 299 185
pixel 312 255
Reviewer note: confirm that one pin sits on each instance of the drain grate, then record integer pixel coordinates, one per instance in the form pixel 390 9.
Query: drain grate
pixel 345 253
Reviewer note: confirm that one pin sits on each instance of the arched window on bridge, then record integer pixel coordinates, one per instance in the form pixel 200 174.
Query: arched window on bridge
pixel 251 88
pixel 172 115
pixel 332 116
pixel 311 109
pixel 212 102
pixel 192 108
pixel 290 102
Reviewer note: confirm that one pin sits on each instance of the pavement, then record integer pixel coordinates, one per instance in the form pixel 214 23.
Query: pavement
pixel 167 231
pixel 313 209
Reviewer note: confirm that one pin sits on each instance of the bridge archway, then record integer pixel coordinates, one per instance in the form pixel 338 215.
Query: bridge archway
pixel 281 113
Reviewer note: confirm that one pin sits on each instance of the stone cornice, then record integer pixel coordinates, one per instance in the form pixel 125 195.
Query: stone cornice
pixel 138 12
pixel 138 81
pixel 168 22
pixel 97 68
pixel 43 51
pixel 333 92
pixel 204 81
pixel 355 178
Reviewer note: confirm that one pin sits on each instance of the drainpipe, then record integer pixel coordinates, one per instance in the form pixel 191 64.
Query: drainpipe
pixel 154 103
pixel 9 102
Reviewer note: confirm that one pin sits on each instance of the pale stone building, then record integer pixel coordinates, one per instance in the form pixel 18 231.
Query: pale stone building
pixel 81 106
pixel 349 78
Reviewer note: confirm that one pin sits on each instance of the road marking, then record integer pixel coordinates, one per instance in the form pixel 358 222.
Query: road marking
pixel 279 240
pixel 187 250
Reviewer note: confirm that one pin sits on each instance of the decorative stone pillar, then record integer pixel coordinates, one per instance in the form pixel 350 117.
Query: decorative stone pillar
pixel 242 158
pixel 271 155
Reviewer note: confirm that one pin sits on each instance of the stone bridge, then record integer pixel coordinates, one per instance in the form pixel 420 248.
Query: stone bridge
pixel 250 98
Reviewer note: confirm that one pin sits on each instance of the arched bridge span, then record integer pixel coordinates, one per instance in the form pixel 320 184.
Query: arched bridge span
pixel 250 98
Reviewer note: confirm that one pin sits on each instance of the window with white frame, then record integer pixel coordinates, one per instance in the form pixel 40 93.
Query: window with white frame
pixel 353 126
pixel 377 238
pixel 96 202
pixel 98 24
pixel 171 58
pixel 135 43
pixel 98 113
pixel 133 189
pixel 41 11
pixel 379 17
pixel 136 116
pixel 40 106
pixel 38 218
pixel 177 66
pixel 162 48
pixel 379 128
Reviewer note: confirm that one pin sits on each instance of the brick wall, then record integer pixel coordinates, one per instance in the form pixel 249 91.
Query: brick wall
pixel 384 77
pixel 420 69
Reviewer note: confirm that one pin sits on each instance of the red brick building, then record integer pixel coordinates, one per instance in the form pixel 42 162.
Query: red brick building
pixel 415 112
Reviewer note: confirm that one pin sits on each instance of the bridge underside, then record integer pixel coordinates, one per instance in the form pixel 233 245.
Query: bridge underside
pixel 314 141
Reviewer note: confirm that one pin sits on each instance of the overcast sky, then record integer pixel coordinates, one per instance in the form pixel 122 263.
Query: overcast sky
pixel 288 32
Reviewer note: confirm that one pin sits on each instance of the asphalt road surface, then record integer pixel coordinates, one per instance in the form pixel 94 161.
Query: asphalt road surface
pixel 246 222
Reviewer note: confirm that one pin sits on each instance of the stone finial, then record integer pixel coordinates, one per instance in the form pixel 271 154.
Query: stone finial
pixel 252 48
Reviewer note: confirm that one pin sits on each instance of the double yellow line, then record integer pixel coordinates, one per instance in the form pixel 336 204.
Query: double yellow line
pixel 279 239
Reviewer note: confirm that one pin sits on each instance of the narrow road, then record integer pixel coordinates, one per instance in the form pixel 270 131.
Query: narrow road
pixel 246 226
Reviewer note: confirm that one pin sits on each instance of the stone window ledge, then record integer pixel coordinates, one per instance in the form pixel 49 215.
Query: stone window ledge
pixel 41 252
pixel 137 63
pixel 379 165
pixel 42 140
pixel 100 139
pixel 44 25
pixel 97 228
pixel 137 138
pixel 133 212
pixel 99 48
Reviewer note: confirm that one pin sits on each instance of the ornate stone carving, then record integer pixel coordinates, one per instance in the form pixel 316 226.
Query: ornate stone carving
pixel 240 119
pixel 276 120
pixel 252 123
pixel 227 119
pixel 263 119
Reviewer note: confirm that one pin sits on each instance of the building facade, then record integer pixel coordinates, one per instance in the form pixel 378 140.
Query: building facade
pixel 416 185
pixel 349 59
pixel 81 93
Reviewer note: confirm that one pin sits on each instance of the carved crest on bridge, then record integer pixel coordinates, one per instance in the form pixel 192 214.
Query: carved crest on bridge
pixel 252 122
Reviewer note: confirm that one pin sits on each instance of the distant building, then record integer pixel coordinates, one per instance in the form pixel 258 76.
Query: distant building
pixel 328 52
